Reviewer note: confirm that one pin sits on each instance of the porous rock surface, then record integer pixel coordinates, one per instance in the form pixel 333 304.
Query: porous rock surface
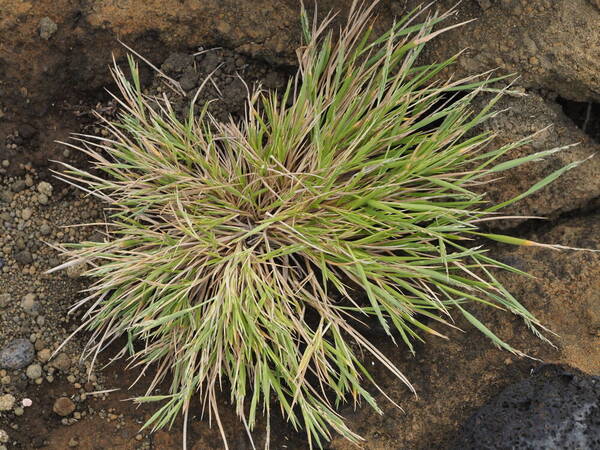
pixel 553 409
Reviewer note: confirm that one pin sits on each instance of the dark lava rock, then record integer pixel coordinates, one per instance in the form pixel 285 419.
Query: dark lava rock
pixel 189 79
pixel 26 131
pixel 18 186
pixel 177 63
pixel 17 354
pixel 23 257
pixel 211 62
pixel 554 409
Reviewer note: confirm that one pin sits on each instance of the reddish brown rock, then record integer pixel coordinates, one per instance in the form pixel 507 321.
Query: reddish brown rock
pixel 63 406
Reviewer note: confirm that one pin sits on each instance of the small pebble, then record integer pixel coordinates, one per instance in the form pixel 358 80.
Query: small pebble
pixel 61 362
pixel 7 401
pixel 44 355
pixel 76 270
pixel 18 186
pixel 4 300
pixel 24 257
pixel 63 406
pixel 47 27
pixel 45 188
pixel 30 304
pixel 34 371
pixel 45 229
pixel 6 196
pixel 17 354
pixel 26 214
pixel 42 199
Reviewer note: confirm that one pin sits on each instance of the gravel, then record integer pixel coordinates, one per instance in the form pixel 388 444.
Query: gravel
pixel 34 306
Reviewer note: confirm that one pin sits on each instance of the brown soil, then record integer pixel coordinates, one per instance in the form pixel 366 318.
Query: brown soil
pixel 48 88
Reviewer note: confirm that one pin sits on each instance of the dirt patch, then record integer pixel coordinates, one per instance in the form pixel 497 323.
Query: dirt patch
pixel 223 77
pixel 34 319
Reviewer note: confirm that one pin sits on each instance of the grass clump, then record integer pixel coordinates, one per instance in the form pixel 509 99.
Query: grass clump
pixel 233 250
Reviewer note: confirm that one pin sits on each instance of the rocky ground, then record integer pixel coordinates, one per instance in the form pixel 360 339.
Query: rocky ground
pixel 53 68
pixel 34 320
